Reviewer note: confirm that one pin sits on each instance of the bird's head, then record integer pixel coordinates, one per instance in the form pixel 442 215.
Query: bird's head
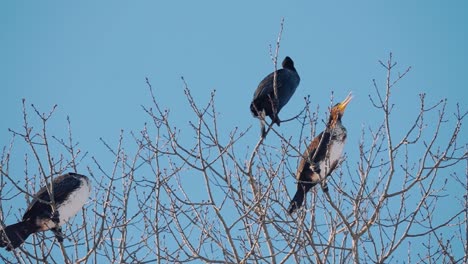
pixel 288 63
pixel 338 110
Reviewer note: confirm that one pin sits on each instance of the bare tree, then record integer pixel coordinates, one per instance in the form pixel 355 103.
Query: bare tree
pixel 197 193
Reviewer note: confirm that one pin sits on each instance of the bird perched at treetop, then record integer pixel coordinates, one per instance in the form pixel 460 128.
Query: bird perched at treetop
pixel 265 103
pixel 322 156
pixel 70 193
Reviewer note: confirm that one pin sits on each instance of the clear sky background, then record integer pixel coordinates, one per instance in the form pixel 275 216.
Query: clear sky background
pixel 91 58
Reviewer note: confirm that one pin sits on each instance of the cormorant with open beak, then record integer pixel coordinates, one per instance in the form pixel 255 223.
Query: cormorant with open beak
pixel 264 102
pixel 70 192
pixel 322 156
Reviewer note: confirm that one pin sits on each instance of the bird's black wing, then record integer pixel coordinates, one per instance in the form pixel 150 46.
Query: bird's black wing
pixel 315 153
pixel 62 185
pixel 323 142
pixel 265 88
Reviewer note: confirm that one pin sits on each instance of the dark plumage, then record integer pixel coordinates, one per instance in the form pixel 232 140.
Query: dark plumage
pixel 264 103
pixel 322 155
pixel 71 191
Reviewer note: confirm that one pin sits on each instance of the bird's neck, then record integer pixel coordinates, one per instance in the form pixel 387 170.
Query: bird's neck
pixel 291 68
pixel 337 131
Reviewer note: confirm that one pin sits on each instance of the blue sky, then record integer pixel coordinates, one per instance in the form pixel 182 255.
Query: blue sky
pixel 91 58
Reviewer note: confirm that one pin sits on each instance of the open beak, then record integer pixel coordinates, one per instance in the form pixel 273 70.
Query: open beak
pixel 345 102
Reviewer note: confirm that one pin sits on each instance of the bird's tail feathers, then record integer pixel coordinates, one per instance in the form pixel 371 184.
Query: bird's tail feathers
pixel 298 198
pixel 15 235
pixel 296 202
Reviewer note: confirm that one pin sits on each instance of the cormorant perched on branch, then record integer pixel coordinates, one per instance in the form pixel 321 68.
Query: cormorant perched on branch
pixel 322 155
pixel 264 102
pixel 71 191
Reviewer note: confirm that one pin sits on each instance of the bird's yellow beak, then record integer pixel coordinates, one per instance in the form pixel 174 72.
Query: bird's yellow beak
pixel 345 102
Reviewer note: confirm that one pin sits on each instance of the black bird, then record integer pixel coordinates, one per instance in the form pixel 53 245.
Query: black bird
pixel 264 103
pixel 322 155
pixel 71 191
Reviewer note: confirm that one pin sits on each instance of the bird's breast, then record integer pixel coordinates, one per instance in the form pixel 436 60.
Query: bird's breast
pixel 334 153
pixel 74 202
pixel 288 88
